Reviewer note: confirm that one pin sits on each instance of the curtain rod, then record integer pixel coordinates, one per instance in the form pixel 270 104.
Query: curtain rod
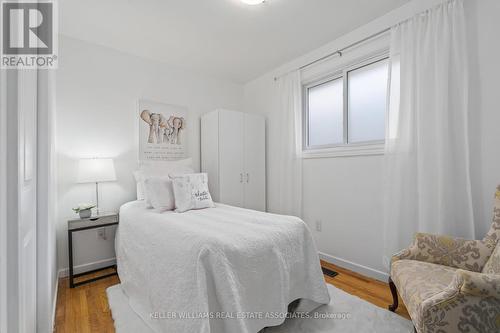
pixel 339 52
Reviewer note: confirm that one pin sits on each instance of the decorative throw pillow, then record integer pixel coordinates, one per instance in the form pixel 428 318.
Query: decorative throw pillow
pixel 191 192
pixel 493 264
pixel 160 193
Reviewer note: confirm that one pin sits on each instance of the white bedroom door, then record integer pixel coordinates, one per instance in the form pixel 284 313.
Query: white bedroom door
pixel 255 162
pixel 231 158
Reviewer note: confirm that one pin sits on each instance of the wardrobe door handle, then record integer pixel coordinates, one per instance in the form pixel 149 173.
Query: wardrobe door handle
pixel 241 178
pixel 248 177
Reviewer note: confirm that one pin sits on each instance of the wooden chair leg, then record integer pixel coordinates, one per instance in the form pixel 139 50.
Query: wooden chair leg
pixel 394 293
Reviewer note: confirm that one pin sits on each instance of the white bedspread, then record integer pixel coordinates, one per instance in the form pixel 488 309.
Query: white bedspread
pixel 243 265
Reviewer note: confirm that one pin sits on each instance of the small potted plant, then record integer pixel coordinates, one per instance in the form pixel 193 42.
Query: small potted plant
pixel 84 210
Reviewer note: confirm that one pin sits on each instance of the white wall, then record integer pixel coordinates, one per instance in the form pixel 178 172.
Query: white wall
pixel 345 193
pixel 97 93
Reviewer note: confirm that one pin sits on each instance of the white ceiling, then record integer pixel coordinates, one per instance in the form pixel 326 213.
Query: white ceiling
pixel 224 38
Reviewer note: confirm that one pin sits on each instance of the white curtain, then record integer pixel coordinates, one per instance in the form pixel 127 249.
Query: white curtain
pixel 290 145
pixel 427 155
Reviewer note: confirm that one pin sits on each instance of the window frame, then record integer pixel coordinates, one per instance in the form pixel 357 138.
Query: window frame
pixel 373 147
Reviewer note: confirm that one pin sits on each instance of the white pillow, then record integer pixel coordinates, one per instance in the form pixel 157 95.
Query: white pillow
pixel 159 169
pixel 160 193
pixel 191 192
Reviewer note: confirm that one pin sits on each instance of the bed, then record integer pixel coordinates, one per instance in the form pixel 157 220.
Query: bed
pixel 222 269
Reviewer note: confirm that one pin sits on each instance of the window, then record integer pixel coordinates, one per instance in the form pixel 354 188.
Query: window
pixel 326 113
pixel 347 109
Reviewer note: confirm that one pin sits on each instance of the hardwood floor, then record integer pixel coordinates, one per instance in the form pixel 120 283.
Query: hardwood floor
pixel 85 308
pixel 369 289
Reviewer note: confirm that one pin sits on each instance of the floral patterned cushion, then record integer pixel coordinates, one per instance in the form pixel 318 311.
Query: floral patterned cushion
pixel 418 281
pixel 493 264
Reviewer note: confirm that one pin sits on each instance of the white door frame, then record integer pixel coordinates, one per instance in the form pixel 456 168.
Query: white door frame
pixel 10 167
pixel 3 204
pixel 46 251
pixel 27 204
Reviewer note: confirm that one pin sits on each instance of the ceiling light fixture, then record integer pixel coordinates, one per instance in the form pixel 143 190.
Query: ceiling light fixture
pixel 253 2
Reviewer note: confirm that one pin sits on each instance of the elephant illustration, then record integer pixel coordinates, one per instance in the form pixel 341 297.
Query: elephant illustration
pixel 157 124
pixel 174 126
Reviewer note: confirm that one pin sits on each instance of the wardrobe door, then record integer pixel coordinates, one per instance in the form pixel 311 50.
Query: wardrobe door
pixel 210 151
pixel 231 175
pixel 255 162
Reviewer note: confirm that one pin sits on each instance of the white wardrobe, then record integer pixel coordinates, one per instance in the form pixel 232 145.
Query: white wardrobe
pixel 233 154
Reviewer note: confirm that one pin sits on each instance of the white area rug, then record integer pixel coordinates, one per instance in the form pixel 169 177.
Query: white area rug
pixel 361 317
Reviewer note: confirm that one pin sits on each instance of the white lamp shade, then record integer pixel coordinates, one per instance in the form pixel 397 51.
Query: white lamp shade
pixel 96 170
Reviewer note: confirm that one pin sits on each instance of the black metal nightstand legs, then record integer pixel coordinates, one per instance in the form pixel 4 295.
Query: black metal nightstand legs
pixel 70 256
pixel 72 276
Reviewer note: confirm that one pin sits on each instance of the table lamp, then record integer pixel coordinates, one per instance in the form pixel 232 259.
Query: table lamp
pixel 96 170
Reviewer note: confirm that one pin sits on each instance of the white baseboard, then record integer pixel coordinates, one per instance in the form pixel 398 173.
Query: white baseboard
pixel 367 271
pixel 64 272
pixel 54 305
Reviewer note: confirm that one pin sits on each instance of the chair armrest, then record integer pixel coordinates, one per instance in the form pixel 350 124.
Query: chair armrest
pixel 470 255
pixel 471 303
pixel 479 284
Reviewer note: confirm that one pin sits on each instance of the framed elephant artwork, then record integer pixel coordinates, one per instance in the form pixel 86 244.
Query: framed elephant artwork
pixel 162 131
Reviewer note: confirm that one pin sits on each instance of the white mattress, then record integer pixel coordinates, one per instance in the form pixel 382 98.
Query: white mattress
pixel 243 265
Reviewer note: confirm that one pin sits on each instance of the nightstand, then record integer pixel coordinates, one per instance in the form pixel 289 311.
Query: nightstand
pixel 93 222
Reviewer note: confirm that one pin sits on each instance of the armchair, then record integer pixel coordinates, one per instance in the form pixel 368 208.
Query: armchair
pixel 450 284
